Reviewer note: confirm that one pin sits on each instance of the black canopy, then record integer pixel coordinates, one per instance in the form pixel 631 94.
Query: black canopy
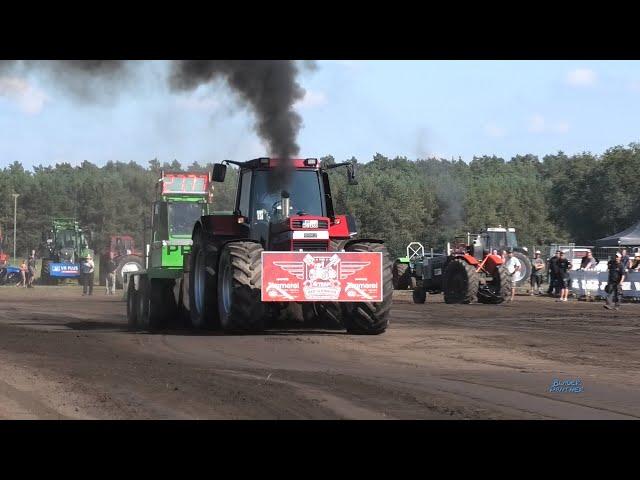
pixel 629 237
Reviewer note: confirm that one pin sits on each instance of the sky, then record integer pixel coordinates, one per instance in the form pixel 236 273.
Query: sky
pixel 415 109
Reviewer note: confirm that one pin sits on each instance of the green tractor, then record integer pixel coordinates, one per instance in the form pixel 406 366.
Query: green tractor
pixel 404 267
pixel 64 245
pixel 181 199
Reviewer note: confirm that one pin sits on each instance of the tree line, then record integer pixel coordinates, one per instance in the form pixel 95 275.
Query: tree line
pixel 556 198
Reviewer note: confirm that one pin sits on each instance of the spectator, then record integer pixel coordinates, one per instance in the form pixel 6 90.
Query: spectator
pixel 554 287
pixel 494 252
pixel 111 277
pixel 86 271
pixel 23 275
pixel 616 277
pixel 635 263
pixel 563 266
pixel 588 262
pixel 537 266
pixel 625 259
pixel 513 265
pixel 31 270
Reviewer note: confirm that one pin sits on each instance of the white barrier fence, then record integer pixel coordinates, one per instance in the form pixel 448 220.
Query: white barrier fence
pixel 593 283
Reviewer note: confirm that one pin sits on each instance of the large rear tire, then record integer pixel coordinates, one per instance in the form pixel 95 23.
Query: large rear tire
pixel 522 276
pixel 203 290
pixel 371 318
pixel 460 283
pixel 500 287
pixel 240 308
pixel 401 275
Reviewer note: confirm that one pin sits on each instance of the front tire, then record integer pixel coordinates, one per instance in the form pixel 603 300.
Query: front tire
pixel 419 295
pixel 45 273
pixel 151 305
pixel 460 283
pixel 499 287
pixel 371 318
pixel 240 307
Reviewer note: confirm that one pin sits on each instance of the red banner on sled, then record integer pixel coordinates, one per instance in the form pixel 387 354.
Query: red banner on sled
pixel 321 277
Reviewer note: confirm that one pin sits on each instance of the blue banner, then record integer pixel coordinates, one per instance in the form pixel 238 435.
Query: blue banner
pixel 65 270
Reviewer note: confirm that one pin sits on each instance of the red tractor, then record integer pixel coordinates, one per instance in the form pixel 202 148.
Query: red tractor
pixel 283 244
pixel 121 249
pixel 466 273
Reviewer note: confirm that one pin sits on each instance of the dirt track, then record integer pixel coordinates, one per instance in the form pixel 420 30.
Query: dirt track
pixel 67 356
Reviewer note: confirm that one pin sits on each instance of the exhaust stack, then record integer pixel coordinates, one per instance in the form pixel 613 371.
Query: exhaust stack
pixel 285 203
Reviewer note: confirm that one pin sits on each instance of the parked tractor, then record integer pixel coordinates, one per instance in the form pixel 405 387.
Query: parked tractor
pixel 122 251
pixel 500 238
pixel 404 267
pixel 64 245
pixel 283 244
pixel 466 273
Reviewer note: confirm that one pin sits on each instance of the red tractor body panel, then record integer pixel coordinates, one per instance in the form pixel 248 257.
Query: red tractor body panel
pixel 224 225
pixel 470 259
pixel 492 262
pixel 340 228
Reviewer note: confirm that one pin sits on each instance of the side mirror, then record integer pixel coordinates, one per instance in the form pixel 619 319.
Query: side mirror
pixel 219 172
pixel 351 175
pixel 351 224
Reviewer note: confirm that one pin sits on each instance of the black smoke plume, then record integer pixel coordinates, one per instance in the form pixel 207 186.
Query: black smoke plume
pixel 85 80
pixel 269 87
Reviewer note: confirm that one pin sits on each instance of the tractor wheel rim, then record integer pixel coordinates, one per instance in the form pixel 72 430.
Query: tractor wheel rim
pixel 199 282
pixel 226 288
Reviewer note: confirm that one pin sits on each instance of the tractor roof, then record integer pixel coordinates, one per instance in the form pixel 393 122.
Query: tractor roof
pixel 500 229
pixel 267 162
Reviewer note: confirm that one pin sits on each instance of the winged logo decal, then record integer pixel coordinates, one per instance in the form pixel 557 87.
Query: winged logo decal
pixel 349 268
pixel 294 268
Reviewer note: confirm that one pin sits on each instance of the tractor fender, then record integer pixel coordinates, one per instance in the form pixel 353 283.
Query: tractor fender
pixel 361 240
pixel 215 245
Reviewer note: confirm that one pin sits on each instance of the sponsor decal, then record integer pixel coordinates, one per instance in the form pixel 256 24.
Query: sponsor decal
pixel 183 249
pixel 310 224
pixel 321 276
pixel 66 270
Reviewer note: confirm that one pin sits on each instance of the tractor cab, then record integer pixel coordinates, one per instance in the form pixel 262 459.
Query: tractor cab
pixel 292 215
pixel 500 238
pixel 504 238
pixel 181 199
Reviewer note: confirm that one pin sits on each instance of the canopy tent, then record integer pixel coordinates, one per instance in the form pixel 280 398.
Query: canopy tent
pixel 629 238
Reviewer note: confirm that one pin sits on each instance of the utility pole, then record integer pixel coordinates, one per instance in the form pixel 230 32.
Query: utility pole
pixel 15 211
